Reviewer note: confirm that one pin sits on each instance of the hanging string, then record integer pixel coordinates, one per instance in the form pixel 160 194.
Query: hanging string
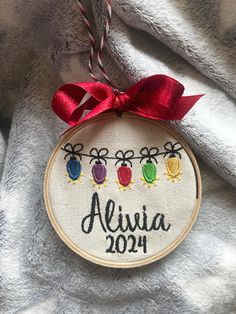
pixel 91 38
pixel 93 49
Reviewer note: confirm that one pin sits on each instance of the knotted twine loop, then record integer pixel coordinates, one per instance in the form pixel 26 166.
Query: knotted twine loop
pixel 93 49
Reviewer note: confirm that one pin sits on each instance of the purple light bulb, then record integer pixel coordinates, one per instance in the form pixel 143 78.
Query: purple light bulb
pixel 99 172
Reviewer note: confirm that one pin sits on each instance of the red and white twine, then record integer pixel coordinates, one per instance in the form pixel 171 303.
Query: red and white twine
pixel 93 49
pixel 91 38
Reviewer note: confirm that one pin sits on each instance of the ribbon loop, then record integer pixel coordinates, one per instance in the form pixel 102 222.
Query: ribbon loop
pixel 157 97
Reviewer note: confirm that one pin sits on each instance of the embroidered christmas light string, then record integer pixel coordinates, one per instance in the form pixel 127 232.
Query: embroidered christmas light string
pixel 99 158
pixel 102 154
pixel 157 97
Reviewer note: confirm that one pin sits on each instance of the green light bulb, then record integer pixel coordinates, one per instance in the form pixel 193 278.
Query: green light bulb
pixel 149 171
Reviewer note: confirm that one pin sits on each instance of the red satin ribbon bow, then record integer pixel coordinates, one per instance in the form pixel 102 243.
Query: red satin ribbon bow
pixel 157 97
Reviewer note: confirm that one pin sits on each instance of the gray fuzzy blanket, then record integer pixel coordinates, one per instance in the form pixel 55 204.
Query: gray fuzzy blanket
pixel 43 44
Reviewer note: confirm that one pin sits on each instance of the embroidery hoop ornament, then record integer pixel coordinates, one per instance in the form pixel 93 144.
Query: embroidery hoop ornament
pixel 104 262
pixel 149 172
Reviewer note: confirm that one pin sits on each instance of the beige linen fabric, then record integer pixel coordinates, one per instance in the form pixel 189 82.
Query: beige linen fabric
pixel 69 203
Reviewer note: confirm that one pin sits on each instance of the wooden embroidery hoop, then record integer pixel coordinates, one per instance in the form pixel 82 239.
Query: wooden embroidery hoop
pixel 113 264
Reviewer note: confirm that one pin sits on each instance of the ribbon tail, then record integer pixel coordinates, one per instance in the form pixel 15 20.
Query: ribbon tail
pixel 183 107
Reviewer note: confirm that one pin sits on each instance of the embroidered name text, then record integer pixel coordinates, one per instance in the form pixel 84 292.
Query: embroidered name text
pixel 113 222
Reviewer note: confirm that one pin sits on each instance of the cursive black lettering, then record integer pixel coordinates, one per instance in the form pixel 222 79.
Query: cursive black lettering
pixel 112 222
pixel 93 213
pixel 109 212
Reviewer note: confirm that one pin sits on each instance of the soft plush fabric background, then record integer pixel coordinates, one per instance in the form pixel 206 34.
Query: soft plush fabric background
pixel 43 44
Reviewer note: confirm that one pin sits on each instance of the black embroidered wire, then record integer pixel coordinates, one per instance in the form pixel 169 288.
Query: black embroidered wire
pixel 98 155
pixel 124 157
pixel 102 154
pixel 171 149
pixel 149 154
pixel 71 150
